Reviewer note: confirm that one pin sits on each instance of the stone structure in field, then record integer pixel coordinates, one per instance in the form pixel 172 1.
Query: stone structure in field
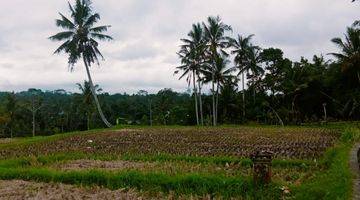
pixel 262 167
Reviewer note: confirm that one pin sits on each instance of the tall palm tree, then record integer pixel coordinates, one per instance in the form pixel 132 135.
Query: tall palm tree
pixel 216 42
pixel 241 49
pixel 87 99
pixel 188 69
pixel 349 55
pixel 191 54
pixel 218 75
pixel 79 38
pixel 255 71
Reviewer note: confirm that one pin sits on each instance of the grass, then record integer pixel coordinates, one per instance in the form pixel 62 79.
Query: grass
pixel 180 184
pixel 336 181
pixel 218 160
pixel 333 183
pixel 39 139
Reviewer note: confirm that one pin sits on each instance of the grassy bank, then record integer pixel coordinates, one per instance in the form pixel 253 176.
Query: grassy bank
pixel 336 181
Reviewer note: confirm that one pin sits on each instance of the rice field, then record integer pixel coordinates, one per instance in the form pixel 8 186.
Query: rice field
pixel 174 163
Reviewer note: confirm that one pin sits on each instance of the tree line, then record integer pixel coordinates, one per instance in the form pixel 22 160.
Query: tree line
pixel 277 89
pixel 37 112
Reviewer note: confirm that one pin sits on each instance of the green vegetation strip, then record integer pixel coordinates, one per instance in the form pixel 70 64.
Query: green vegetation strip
pixel 180 184
pixel 63 157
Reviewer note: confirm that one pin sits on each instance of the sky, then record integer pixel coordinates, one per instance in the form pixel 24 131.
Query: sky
pixel 147 36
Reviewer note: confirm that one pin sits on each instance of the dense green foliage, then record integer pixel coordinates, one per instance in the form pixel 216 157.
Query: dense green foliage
pixel 279 91
pixel 64 112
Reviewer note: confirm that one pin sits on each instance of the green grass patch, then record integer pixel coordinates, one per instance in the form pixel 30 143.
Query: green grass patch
pixel 333 183
pixel 63 157
pixel 181 184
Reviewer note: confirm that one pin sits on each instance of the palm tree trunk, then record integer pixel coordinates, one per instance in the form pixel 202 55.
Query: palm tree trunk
pixel 213 102
pixel 88 121
pixel 254 92
pixel 325 113
pixel 106 122
pixel 277 115
pixel 33 124
pixel 201 106
pixel 243 94
pixel 150 113
pixel 217 102
pixel 293 109
pixel 195 96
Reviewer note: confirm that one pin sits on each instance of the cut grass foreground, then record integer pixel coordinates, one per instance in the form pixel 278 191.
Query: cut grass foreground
pixel 331 180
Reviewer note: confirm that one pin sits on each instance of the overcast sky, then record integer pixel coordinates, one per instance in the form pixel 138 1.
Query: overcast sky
pixel 147 33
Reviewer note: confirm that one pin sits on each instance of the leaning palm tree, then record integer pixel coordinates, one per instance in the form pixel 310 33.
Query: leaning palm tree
pixel 191 54
pixel 79 38
pixel 241 49
pixel 349 57
pixel 87 99
pixel 216 41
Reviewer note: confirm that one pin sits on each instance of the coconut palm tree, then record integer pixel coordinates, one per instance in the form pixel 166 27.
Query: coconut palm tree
pixel 254 69
pixel 216 43
pixel 80 37
pixel 241 49
pixel 192 54
pixel 215 36
pixel 218 74
pixel 349 55
pixel 189 69
pixel 87 99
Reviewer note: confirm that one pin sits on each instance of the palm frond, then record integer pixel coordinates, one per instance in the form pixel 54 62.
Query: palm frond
pixel 64 23
pixel 62 36
pixel 101 36
pixel 62 47
pixel 72 11
pixel 99 29
pixel 92 20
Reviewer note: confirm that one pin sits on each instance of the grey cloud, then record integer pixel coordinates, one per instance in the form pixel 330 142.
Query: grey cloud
pixel 137 51
pixel 147 34
pixel 7 65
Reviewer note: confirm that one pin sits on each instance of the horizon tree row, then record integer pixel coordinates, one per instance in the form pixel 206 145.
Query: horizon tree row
pixel 277 85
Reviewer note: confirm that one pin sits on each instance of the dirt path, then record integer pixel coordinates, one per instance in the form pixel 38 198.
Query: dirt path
pixel 26 190
pixel 354 164
pixel 19 190
pixel 98 164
